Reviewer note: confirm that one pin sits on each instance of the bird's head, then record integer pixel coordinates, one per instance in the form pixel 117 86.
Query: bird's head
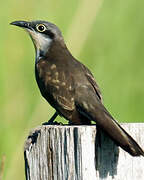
pixel 43 34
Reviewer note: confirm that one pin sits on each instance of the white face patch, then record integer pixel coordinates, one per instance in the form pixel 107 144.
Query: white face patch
pixel 41 42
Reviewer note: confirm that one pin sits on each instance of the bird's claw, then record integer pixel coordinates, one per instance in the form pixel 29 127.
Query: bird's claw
pixel 52 123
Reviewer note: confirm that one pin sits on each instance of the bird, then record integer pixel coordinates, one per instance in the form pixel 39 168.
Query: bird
pixel 69 86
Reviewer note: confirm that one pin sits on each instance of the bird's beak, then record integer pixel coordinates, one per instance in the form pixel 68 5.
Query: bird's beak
pixel 23 24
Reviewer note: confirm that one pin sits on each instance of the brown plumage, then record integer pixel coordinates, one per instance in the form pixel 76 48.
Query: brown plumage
pixel 69 86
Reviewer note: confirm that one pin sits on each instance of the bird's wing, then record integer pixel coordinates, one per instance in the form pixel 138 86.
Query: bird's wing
pixel 92 81
pixel 89 105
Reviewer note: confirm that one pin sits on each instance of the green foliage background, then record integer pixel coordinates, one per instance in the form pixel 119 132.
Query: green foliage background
pixel 107 36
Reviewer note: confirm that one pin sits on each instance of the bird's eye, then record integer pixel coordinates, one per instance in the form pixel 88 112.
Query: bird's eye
pixel 41 27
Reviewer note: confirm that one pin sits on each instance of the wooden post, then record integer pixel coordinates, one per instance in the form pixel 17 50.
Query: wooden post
pixel 81 153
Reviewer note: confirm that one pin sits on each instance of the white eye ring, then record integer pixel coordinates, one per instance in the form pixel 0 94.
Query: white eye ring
pixel 41 27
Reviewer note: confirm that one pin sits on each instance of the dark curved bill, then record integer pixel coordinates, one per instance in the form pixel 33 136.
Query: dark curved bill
pixel 23 24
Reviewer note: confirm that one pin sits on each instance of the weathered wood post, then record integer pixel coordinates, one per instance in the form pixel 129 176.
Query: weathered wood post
pixel 81 153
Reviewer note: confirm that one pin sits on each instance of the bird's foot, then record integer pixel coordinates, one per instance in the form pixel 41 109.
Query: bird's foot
pixel 52 123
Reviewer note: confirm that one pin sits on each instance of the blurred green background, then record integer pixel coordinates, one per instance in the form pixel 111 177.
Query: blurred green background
pixel 107 36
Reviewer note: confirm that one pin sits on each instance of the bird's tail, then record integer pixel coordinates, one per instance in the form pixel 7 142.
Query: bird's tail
pixel 131 146
pixel 93 109
pixel 120 136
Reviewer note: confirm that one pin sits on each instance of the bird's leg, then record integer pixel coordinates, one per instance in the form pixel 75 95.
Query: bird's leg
pixel 53 118
pixel 51 121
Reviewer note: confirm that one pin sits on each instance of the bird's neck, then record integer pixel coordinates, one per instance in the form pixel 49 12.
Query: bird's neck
pixel 56 51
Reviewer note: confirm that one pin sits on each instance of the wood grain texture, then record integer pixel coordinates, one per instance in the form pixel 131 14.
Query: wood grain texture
pixel 81 153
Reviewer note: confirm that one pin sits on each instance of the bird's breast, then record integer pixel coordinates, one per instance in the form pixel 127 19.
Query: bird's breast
pixel 56 84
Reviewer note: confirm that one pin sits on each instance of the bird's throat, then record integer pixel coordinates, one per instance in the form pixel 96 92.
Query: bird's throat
pixel 41 44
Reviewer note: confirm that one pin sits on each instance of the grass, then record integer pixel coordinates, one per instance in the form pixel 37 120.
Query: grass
pixel 107 36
